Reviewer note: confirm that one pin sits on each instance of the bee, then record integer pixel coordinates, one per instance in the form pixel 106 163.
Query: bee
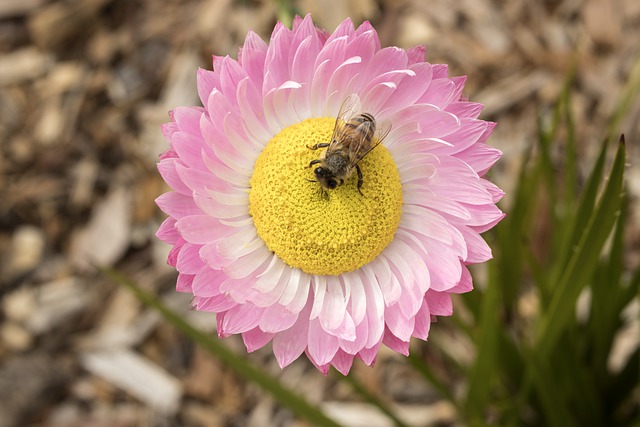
pixel 355 134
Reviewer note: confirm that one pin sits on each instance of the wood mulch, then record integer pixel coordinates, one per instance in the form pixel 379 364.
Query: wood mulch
pixel 84 87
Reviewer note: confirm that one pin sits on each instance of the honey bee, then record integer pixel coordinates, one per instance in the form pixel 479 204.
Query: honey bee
pixel 355 134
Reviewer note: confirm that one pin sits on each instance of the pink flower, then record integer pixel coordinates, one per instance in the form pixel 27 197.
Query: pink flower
pixel 330 273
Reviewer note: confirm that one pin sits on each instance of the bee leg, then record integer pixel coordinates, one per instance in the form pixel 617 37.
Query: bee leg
pixel 313 162
pixel 316 146
pixel 360 179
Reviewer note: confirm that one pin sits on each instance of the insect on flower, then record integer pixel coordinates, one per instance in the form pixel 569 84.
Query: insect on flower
pixel 354 136
pixel 333 278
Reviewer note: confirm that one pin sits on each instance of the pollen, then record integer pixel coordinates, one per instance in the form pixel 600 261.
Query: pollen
pixel 323 232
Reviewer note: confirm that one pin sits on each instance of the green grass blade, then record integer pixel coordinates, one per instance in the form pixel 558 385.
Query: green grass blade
pixel 484 371
pixel 511 232
pixel 286 12
pixel 239 364
pixel 607 287
pixel 583 261
pixel 551 401
pixel 584 212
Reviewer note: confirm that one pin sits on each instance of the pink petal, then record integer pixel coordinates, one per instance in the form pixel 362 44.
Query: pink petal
pixel 177 205
pixel 207 81
pixel 167 232
pixel 334 308
pixel 167 169
pixel 172 258
pixel 423 321
pixel 466 136
pixel 188 120
pixel 215 304
pixel 231 73
pixel 201 229
pixel 396 344
pixel 480 157
pixel 465 284
pixel 290 344
pixel 199 182
pixel 401 326
pixel 189 261
pixel 496 193
pixel 342 361
pixel 321 345
pixel 252 56
pixel 206 282
pixel 465 109
pixel 439 303
pixel 184 282
pixel 255 339
pixel 368 355
pixel 479 250
pixel 277 318
pixel 361 337
pixel 241 318
pixel 345 29
pixel 416 54
pixel 189 148
pixel 249 264
pixel 277 60
pixel 440 71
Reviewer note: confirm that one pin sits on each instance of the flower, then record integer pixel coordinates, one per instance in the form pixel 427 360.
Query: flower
pixel 330 273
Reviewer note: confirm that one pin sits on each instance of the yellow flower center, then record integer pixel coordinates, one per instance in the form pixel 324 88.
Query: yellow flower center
pixel 322 232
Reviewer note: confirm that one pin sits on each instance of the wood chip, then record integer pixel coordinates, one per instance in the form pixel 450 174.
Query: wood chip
pixel 603 22
pixel 137 375
pixel 27 249
pixel 15 337
pixel 203 415
pixel 14 8
pixel 511 91
pixel 56 23
pixel 23 65
pixel 63 92
pixel 106 236
pixel 180 89
pixel 122 323
pixel 56 303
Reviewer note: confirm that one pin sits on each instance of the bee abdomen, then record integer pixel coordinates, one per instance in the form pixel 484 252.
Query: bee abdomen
pixel 367 117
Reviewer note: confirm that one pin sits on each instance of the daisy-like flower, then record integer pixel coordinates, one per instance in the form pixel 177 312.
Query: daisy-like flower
pixel 330 273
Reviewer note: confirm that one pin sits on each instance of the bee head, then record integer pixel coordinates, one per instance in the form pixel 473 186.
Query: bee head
pixel 325 177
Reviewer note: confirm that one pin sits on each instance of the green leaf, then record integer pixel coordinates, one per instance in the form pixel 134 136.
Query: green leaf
pixel 551 400
pixel 241 365
pixel 511 231
pixel 484 369
pixel 607 288
pixel 584 212
pixel 286 12
pixel 583 261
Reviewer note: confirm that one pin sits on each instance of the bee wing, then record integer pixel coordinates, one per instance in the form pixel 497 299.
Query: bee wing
pixel 364 146
pixel 350 106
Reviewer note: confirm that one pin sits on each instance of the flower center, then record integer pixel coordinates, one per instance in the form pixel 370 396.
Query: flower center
pixel 323 232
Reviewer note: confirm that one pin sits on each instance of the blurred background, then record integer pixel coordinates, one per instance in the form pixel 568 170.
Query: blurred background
pixel 84 87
